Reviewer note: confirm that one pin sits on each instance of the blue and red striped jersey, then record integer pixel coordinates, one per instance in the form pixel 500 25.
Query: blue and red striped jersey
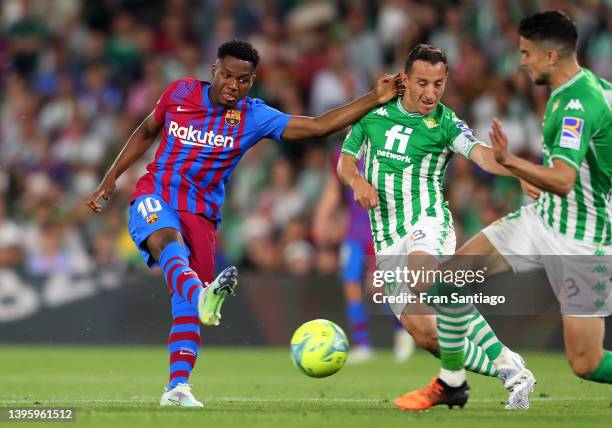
pixel 201 145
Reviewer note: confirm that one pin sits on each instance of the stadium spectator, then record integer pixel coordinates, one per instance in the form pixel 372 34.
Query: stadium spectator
pixel 76 77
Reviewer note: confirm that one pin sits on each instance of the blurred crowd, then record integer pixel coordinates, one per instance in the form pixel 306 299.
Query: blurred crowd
pixel 76 78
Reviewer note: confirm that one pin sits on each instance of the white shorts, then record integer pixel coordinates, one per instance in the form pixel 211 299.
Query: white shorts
pixel 430 235
pixel 579 272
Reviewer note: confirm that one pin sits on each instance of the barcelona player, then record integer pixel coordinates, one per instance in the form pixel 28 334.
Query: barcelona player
pixel 205 129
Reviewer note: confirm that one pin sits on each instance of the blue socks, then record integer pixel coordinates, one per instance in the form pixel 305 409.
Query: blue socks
pixel 184 341
pixel 181 279
pixel 359 324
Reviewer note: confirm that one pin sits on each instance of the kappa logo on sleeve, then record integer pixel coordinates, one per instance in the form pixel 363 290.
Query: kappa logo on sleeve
pixel 382 112
pixel 571 133
pixel 574 104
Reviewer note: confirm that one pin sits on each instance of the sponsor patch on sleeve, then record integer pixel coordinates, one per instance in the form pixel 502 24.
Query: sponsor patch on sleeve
pixel 571 133
pixel 466 131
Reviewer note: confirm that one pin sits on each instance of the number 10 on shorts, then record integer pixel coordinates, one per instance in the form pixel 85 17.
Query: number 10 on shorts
pixel 148 208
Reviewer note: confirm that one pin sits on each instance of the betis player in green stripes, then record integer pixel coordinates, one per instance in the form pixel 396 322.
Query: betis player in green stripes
pixel 573 211
pixel 407 144
pixel 568 231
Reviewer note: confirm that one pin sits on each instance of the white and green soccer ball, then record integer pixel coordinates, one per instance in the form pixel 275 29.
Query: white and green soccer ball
pixel 319 348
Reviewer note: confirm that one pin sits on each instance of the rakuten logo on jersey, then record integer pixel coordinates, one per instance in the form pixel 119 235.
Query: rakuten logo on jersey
pixel 196 137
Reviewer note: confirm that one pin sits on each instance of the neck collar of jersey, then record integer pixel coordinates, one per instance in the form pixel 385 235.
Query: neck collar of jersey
pixel 401 108
pixel 568 83
pixel 206 97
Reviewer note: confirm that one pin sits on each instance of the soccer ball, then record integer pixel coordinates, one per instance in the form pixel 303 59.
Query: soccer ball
pixel 319 348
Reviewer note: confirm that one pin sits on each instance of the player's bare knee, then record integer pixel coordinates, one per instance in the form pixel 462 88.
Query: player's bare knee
pixel 423 330
pixel 425 339
pixel 583 364
pixel 579 368
pixel 430 344
pixel 159 239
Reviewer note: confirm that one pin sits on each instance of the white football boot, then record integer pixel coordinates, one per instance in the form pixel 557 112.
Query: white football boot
pixel 179 396
pixel 517 378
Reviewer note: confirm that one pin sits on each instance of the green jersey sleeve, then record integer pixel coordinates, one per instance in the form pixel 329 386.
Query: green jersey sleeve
pixel 573 132
pixel 460 137
pixel 354 139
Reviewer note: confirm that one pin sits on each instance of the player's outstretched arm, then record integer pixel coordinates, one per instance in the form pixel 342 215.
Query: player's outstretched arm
pixel 484 157
pixel 363 192
pixel 558 179
pixel 138 143
pixel 304 127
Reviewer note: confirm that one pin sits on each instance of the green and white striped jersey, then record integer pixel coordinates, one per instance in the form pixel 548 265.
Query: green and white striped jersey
pixel 578 131
pixel 405 158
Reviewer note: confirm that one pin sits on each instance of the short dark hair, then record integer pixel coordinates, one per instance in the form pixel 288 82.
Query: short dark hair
pixel 551 26
pixel 239 49
pixel 427 53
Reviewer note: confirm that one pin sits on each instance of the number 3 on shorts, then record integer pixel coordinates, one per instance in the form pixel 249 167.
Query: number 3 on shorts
pixel 417 234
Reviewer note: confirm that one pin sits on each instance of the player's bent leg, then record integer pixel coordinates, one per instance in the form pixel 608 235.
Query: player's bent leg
pixel 200 236
pixel 451 328
pixel 173 258
pixel 178 274
pixel 479 252
pixel 423 329
pixel 584 348
pixel 156 230
pixel 476 254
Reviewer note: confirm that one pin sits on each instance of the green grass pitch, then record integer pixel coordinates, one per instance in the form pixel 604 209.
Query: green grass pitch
pixel 255 387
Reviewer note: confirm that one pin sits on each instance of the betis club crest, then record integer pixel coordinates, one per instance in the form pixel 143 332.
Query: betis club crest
pixel 232 117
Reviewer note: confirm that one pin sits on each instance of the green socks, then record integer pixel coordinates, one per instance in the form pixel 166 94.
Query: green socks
pixel 451 337
pixel 603 372
pixel 481 334
pixel 465 338
pixel 477 361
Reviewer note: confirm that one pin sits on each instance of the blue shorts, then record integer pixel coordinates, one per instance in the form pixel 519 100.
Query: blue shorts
pixel 352 261
pixel 148 214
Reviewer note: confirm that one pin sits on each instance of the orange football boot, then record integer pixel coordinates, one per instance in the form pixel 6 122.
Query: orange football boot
pixel 437 392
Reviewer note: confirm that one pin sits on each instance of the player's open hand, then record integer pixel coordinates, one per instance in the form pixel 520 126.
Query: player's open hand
pixel 104 191
pixel 365 194
pixel 530 190
pixel 499 141
pixel 388 87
